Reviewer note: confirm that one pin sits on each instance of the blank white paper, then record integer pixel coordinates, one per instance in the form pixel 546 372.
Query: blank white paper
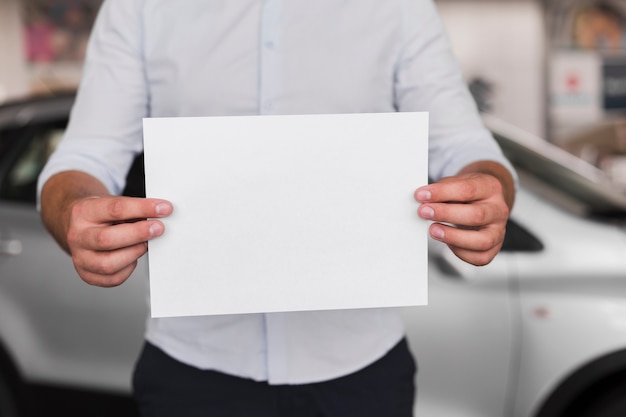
pixel 287 213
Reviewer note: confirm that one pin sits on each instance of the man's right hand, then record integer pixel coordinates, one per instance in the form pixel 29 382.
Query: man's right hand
pixel 107 235
pixel 104 234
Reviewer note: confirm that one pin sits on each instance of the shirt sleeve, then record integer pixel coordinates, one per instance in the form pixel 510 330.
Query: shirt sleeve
pixel 105 128
pixel 429 78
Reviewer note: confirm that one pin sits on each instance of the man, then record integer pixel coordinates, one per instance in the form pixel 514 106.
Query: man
pixel 152 58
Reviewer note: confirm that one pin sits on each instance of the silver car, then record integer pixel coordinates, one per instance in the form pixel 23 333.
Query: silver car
pixel 539 332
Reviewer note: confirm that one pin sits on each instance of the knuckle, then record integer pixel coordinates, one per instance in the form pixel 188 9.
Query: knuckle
pixel 101 272
pixel 78 264
pixel 103 239
pixel 466 191
pixel 495 184
pixel 479 216
pixel 116 209
pixel 77 213
pixel 122 275
pixel 84 271
pixel 506 211
pixel 490 243
pixel 105 266
pixel 482 242
pixel 72 237
pixel 77 209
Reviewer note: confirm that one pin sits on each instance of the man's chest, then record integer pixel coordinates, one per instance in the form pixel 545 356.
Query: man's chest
pixel 272 57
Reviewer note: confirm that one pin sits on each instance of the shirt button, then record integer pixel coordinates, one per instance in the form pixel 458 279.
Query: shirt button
pixel 270 45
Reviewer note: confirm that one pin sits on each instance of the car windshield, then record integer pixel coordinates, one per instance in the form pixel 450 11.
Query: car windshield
pixel 558 175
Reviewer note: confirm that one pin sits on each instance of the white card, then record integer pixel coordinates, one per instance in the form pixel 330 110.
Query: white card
pixel 287 213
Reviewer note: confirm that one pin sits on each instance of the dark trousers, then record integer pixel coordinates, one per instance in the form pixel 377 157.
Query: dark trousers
pixel 165 387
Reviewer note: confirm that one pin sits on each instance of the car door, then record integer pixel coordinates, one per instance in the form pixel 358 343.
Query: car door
pixel 464 339
pixel 57 328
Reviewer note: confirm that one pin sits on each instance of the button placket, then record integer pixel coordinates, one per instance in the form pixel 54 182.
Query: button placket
pixel 268 65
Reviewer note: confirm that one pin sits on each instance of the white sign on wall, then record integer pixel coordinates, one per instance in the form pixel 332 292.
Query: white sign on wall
pixel 575 91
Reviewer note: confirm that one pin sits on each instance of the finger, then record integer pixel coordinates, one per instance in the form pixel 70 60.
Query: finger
pixel 477 258
pixel 120 209
pixel 108 268
pixel 466 188
pixel 121 235
pixel 108 281
pixel 477 214
pixel 476 240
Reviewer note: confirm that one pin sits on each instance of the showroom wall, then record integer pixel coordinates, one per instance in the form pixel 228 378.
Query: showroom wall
pixel 502 43
pixel 13 78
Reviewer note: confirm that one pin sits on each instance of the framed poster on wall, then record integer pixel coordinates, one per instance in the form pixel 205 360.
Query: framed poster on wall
pixel 593 25
pixel 55 40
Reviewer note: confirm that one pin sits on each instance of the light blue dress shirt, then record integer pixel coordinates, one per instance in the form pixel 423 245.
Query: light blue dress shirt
pixel 247 57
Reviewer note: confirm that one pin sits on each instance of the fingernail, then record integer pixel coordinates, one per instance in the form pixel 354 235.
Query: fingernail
pixel 437 232
pixel 427 213
pixel 163 208
pixel 156 229
pixel 423 195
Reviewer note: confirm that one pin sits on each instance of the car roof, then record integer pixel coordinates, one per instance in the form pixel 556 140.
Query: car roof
pixel 36 109
pixel 557 168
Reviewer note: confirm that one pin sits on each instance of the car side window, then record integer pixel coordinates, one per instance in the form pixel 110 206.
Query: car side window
pixel 135 180
pixel 30 154
pixel 25 152
pixel 8 139
pixel 519 239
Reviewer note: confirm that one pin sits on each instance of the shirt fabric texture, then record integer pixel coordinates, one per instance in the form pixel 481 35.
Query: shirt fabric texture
pixel 163 58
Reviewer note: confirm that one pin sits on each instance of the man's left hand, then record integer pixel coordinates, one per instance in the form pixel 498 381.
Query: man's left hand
pixel 470 210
